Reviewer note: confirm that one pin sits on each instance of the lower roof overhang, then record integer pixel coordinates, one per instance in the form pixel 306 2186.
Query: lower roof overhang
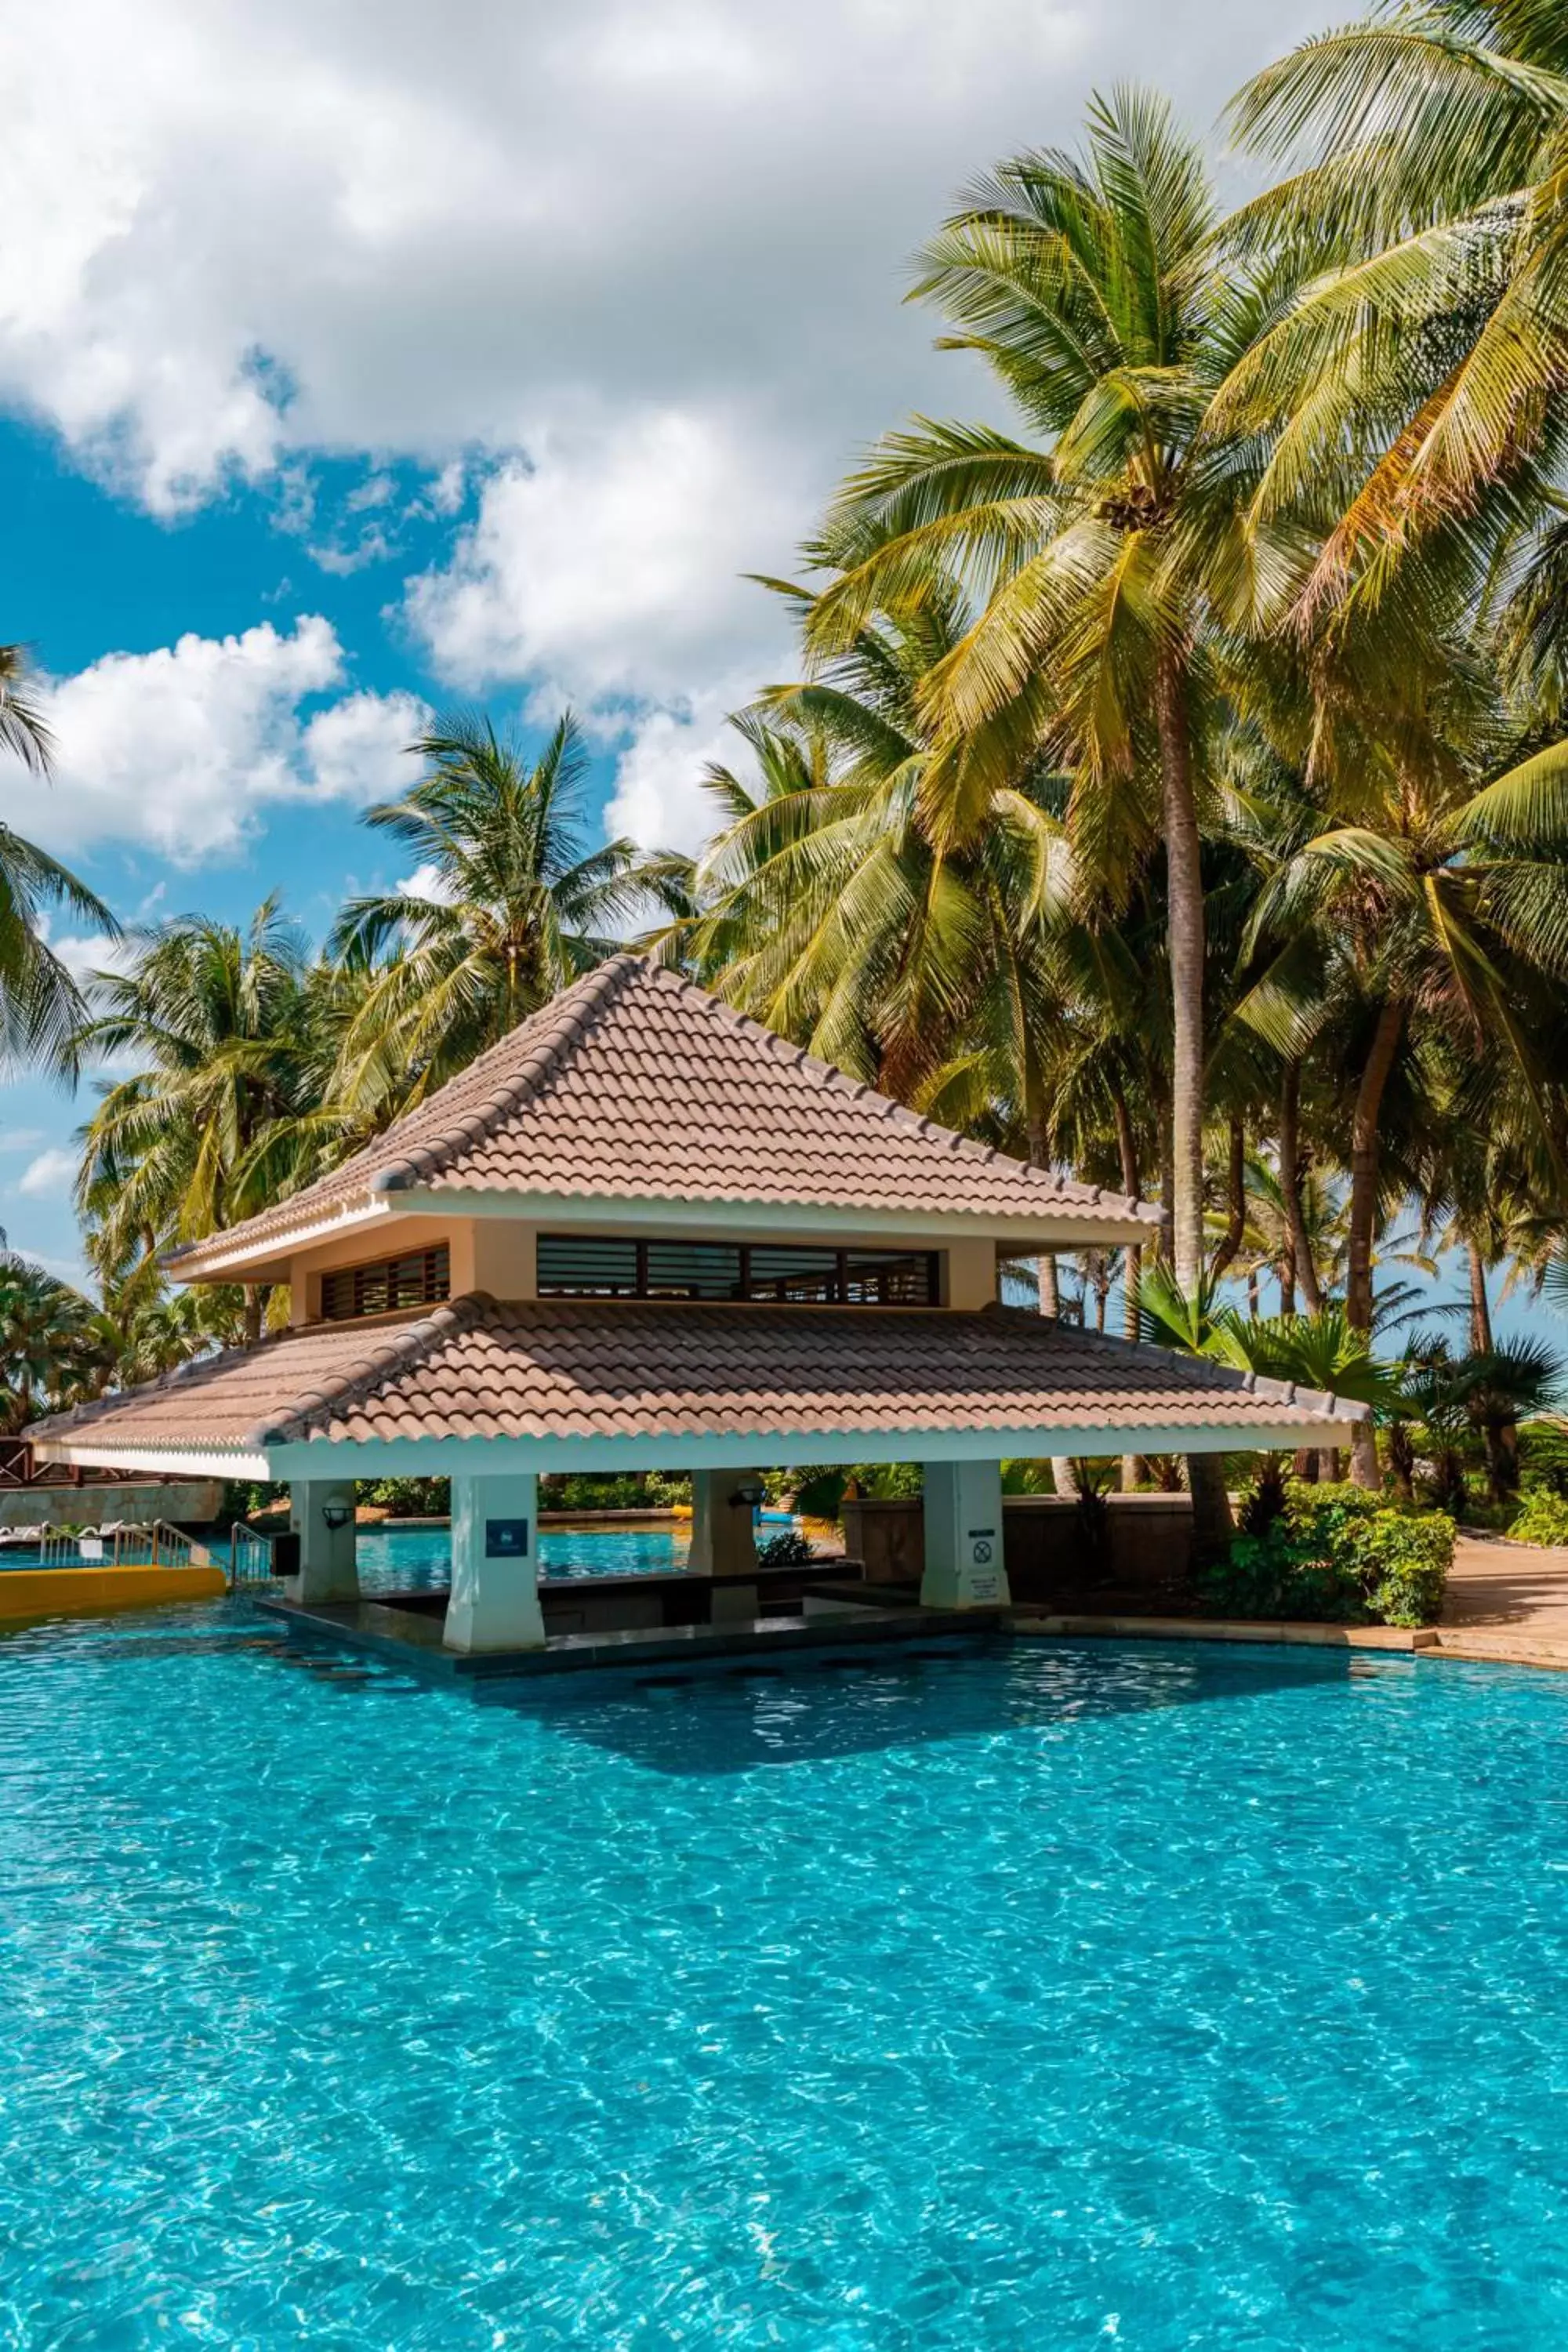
pixel 483 1387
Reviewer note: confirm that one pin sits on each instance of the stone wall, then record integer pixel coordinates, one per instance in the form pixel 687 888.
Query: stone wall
pixel 185 1501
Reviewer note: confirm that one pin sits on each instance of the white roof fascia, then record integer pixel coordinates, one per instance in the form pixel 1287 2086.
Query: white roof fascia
pixel 1065 1227
pixel 1050 1229
pixel 486 1456
pixel 163 1461
pixel 209 1263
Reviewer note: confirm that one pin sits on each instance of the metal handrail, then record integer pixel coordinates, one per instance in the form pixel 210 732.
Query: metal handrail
pixel 158 1546
pixel 249 1556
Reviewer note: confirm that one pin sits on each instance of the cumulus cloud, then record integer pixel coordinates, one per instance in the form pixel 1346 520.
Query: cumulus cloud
pixel 611 564
pixel 245 229
pixel 635 268
pixel 658 797
pixel 181 749
pixel 52 1172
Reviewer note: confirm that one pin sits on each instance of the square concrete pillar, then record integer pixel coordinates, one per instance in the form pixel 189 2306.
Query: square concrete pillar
pixel 494 1603
pixel 963 1536
pixel 724 1535
pixel 724 1542
pixel 321 1514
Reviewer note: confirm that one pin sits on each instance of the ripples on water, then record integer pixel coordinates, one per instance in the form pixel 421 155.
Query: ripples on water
pixel 1015 1999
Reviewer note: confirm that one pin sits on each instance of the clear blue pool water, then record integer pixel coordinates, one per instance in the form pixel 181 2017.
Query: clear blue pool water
pixel 1043 1996
pixel 414 1560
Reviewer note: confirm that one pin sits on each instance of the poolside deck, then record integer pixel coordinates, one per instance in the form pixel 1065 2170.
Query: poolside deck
pixel 1507 1601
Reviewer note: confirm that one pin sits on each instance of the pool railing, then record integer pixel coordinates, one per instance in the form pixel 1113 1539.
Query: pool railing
pixel 157 1546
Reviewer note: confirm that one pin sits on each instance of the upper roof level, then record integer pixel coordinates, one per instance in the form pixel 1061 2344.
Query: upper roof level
pixel 634 1100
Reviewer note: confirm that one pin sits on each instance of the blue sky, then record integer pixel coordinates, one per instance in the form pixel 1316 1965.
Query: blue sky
pixel 360 360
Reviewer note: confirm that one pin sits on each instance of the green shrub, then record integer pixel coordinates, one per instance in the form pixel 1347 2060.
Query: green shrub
pixel 1339 1553
pixel 1541 1518
pixel 410 1499
pixel 788 1548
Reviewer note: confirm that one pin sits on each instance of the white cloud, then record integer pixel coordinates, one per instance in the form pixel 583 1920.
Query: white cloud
pixel 356 749
pixel 426 882
pixel 179 750
pixel 612 564
pixel 658 797
pixel 84 954
pixel 52 1172
pixel 20 1138
pixel 656 245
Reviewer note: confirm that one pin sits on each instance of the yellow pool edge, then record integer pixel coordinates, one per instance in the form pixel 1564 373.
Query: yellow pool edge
pixel 93 1591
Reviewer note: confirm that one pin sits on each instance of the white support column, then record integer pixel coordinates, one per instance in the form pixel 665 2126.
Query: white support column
pixel 724 1540
pixel 495 1564
pixel 321 1514
pixel 963 1536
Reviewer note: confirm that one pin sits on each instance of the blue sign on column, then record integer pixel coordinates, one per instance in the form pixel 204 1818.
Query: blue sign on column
pixel 506 1538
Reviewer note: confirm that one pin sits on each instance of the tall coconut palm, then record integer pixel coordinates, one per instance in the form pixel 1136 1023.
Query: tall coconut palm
pixel 217 1023
pixel 510 904
pixel 1098 551
pixel 41 1007
pixel 1421 366
pixel 54 1346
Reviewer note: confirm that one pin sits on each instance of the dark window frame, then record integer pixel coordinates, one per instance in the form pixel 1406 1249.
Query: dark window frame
pixel 803 1274
pixel 385 1286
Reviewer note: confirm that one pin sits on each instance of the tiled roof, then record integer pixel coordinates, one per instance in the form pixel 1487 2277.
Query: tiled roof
pixel 634 1085
pixel 586 1369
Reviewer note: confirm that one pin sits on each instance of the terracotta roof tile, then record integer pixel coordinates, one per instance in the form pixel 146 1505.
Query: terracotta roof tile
pixel 567 1369
pixel 635 1085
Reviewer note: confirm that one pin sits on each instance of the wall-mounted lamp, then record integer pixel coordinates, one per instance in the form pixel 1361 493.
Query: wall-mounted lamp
pixel 748 1498
pixel 337 1514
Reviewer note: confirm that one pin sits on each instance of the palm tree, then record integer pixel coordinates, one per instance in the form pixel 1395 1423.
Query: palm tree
pixel 1421 366
pixel 511 904
pixel 222 1113
pixel 54 1347
pixel 1100 552
pixel 40 1005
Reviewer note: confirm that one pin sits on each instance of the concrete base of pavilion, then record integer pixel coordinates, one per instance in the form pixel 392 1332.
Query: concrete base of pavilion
pixel 813 1614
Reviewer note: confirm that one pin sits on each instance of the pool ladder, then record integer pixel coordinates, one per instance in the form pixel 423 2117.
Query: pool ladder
pixel 250 1556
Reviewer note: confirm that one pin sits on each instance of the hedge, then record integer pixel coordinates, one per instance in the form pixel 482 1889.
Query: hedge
pixel 1341 1554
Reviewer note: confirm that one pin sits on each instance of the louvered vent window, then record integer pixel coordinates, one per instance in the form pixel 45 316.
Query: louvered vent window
pixel 590 1267
pixel 416 1280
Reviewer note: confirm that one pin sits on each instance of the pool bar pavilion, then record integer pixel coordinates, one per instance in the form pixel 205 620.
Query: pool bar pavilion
pixel 643 1233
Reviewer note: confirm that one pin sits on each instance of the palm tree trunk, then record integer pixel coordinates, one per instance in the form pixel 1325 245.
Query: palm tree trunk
pixel 1500 1429
pixel 1134 1468
pixel 1480 1305
pixel 1184 933
pixel 1374 1078
pixel 1051 1304
pixel 252 1325
pixel 1303 1269
pixel 1234 1232
pixel 1185 919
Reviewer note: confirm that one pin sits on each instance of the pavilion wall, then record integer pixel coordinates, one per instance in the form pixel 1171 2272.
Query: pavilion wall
pixel 1047 1547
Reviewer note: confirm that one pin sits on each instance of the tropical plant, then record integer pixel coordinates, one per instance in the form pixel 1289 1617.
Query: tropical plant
pixel 1100 552
pixel 1420 366
pixel 40 1005
pixel 222 1112
pixel 54 1346
pixel 507 904
pixel 1337 1553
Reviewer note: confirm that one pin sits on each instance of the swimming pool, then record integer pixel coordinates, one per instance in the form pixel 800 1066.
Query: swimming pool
pixel 419 1560
pixel 1029 1997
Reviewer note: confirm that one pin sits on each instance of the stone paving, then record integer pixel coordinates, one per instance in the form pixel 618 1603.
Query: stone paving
pixel 1506 1600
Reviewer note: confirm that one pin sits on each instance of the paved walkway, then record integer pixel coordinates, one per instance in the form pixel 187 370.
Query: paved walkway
pixel 1507 1601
